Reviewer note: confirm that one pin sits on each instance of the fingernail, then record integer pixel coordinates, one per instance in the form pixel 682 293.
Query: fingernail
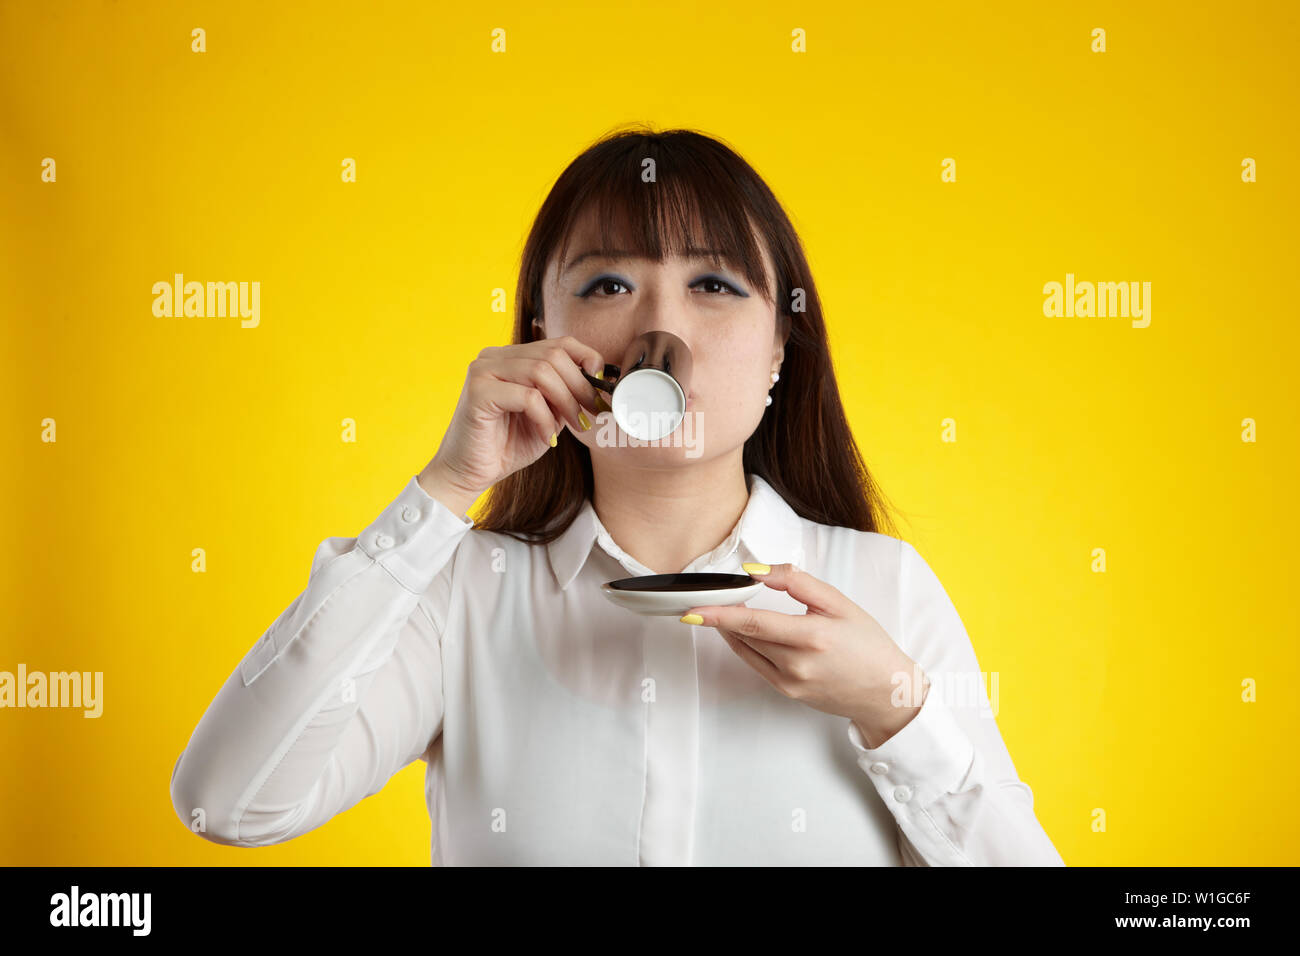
pixel 601 404
pixel 600 373
pixel 553 440
pixel 691 619
pixel 582 420
pixel 755 568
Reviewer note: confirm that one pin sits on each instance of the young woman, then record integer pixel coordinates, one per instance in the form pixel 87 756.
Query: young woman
pixel 808 727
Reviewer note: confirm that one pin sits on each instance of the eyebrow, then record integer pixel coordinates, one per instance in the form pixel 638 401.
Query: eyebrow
pixel 625 254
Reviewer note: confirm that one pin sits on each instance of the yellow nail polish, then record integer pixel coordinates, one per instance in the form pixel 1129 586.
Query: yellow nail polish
pixel 600 374
pixel 691 619
pixel 582 420
pixel 756 568
pixel 554 441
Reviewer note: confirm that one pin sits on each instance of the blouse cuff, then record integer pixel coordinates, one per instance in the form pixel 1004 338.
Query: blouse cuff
pixel 414 537
pixel 929 757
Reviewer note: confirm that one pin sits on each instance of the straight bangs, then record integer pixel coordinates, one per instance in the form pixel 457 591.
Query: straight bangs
pixel 692 208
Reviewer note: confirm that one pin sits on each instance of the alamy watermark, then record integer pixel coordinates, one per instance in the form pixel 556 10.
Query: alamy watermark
pixel 954 689
pixel 56 689
pixel 1127 300
pixel 689 434
pixel 102 909
pixel 181 299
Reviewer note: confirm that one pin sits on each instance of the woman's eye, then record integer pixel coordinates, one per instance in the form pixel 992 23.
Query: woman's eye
pixel 602 284
pixel 712 281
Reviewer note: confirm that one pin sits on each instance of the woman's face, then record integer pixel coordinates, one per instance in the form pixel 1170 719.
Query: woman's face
pixel 730 329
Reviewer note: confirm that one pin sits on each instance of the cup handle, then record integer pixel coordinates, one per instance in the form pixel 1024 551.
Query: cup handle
pixel 611 371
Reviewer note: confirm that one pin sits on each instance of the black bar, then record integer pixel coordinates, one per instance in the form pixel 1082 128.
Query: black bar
pixel 333 905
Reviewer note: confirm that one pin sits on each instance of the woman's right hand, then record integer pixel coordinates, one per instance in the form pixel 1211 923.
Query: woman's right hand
pixel 516 398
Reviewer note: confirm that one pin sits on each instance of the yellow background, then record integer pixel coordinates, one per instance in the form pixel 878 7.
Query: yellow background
pixel 1119 691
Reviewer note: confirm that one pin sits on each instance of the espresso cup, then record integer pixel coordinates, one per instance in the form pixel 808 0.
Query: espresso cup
pixel 648 390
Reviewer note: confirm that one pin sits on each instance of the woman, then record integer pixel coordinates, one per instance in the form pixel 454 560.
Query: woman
pixel 805 728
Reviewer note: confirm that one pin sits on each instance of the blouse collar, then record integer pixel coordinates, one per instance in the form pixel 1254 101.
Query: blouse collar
pixel 768 527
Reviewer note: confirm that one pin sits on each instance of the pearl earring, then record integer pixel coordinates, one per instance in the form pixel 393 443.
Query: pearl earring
pixel 775 377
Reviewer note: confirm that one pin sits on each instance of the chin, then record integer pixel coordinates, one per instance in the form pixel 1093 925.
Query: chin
pixel 667 452
pixel 660 453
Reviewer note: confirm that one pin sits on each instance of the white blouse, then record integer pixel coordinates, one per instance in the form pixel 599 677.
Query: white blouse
pixel 559 729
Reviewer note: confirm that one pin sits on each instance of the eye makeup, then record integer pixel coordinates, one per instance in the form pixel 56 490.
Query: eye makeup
pixel 736 290
pixel 600 280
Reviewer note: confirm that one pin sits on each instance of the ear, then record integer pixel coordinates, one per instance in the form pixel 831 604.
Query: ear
pixel 782 336
pixel 539 328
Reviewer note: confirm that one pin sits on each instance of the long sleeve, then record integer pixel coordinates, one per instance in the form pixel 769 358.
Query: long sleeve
pixel 342 691
pixel 946 775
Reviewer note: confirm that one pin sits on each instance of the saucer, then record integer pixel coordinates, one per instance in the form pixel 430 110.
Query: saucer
pixel 675 594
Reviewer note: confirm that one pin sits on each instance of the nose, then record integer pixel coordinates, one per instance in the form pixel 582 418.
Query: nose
pixel 658 311
pixel 661 336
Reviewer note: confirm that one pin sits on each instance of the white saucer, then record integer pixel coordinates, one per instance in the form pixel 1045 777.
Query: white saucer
pixel 677 603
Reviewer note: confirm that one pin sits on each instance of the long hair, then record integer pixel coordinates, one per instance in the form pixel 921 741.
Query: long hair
pixel 802 446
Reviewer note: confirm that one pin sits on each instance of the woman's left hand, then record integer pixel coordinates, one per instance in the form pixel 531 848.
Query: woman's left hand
pixel 835 658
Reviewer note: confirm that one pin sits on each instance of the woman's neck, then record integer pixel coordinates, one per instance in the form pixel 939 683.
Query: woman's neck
pixel 667 517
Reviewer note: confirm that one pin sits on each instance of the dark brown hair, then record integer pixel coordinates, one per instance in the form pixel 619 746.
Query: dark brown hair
pixel 802 446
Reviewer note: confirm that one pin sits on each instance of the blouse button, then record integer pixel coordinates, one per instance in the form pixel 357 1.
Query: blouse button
pixel 903 794
pixel 410 514
pixel 383 541
pixel 879 767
